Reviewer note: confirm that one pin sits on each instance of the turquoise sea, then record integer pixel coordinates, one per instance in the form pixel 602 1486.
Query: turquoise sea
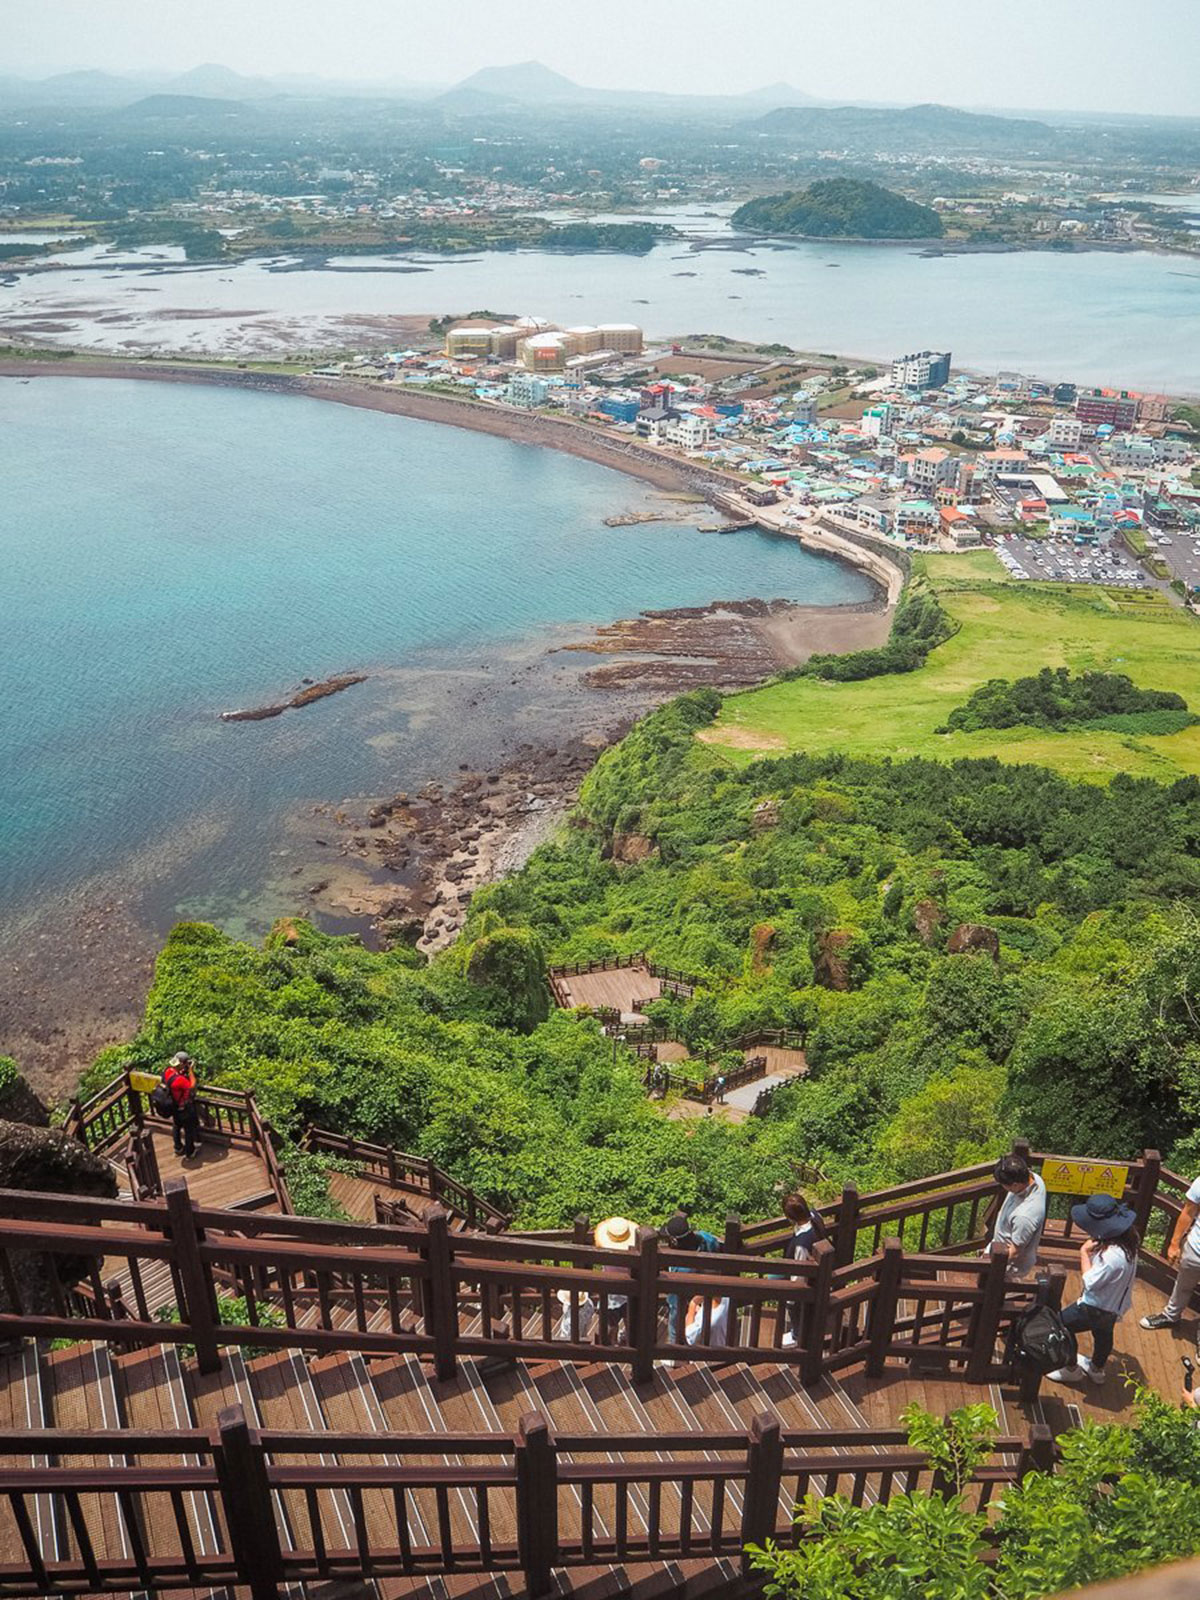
pixel 170 551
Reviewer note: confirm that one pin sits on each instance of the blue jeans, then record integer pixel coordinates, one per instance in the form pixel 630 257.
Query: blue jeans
pixel 1082 1318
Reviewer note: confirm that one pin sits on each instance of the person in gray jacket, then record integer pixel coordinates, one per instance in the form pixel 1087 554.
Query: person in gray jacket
pixel 1022 1216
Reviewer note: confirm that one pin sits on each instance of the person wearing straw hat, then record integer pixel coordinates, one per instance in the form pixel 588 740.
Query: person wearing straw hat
pixel 1108 1262
pixel 616 1233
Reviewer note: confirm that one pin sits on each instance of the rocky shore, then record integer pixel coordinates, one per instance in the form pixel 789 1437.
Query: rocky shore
pixel 416 859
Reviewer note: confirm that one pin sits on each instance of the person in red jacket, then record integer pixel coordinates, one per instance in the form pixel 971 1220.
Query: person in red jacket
pixel 180 1079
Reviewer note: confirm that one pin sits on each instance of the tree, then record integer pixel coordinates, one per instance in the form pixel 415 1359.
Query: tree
pixel 1122 1499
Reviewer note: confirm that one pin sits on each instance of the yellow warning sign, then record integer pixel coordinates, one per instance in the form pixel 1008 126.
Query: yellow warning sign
pixel 144 1082
pixel 1062 1175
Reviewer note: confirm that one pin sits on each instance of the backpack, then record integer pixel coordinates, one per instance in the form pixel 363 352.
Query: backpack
pixel 162 1101
pixel 1043 1341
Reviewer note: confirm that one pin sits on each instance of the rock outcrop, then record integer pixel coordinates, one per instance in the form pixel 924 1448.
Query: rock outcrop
pixel 972 938
pixel 47 1161
pixel 831 969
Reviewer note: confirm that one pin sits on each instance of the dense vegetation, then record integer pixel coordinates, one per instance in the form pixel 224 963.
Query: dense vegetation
pixel 840 208
pixel 1055 699
pixel 1122 1498
pixel 919 625
pixel 810 891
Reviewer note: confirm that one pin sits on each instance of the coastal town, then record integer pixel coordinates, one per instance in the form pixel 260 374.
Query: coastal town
pixel 1068 483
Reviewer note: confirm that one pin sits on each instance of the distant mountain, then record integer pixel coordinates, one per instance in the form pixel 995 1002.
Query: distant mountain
pixel 930 127
pixel 532 83
pixel 840 208
pixel 528 81
pixel 780 94
pixel 176 106
pixel 223 83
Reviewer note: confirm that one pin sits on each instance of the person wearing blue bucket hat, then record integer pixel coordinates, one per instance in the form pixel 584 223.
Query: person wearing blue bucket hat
pixel 1108 1262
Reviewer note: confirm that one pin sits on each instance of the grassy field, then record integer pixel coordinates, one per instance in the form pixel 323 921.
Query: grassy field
pixel 1008 630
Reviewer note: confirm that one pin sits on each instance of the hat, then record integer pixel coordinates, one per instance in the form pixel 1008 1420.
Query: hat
pixel 181 1059
pixel 1103 1217
pixel 679 1233
pixel 616 1233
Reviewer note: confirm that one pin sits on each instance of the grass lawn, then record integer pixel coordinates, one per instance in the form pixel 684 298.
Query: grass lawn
pixel 1008 630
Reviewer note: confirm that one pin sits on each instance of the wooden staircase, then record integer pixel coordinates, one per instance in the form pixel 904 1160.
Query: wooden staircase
pixel 385 1406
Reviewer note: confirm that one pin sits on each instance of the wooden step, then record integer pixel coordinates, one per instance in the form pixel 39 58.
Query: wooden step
pixel 79 1392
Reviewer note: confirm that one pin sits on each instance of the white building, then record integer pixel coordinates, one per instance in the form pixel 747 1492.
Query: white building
pixel 688 432
pixel 526 389
pixel 1065 433
pixel 923 369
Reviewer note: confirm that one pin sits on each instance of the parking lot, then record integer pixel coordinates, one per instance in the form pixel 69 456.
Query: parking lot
pixel 1063 561
pixel 1181 552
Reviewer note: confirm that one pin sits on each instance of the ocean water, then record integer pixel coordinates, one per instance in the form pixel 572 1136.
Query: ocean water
pixel 1129 318
pixel 171 551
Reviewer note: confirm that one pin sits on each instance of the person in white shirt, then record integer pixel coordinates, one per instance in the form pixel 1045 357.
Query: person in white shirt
pixel 1108 1262
pixel 1022 1216
pixel 718 1326
pixel 1183 1252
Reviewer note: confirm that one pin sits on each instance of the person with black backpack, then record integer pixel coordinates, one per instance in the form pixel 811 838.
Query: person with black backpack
pixel 179 1081
pixel 1108 1262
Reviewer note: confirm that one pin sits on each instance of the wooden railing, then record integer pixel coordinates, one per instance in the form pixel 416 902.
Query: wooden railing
pixel 951 1213
pixel 422 1290
pixel 423 1505
pixel 409 1174
pixel 673 982
pixel 712 1087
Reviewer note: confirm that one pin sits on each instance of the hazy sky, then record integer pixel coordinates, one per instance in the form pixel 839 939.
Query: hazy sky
pixel 1077 54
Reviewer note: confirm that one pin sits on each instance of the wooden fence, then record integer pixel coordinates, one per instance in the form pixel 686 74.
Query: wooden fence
pixel 423 1505
pixel 326 1286
pixel 409 1174
pixel 119 1112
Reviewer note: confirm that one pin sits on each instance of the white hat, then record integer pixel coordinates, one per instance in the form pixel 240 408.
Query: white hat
pixel 616 1233
pixel 181 1059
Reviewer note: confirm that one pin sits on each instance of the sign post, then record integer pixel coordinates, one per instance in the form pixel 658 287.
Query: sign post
pixel 1063 1175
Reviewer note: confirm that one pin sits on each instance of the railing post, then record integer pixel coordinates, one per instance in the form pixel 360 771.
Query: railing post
pixel 75 1115
pixel 537 1502
pixel 883 1306
pixel 199 1297
pixel 246 1499
pixel 1050 1293
pixel 760 1504
pixel 1038 1454
pixel 644 1325
pixel 985 1324
pixel 582 1231
pixel 732 1245
pixel 846 1239
pixel 812 1360
pixel 1147 1189
pixel 441 1303
pixel 135 1101
pixel 391 1166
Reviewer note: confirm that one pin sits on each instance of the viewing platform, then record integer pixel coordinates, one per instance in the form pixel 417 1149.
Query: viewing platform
pixel 446 1407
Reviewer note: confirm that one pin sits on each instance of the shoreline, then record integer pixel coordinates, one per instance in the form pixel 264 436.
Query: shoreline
pixel 357 866
pixel 636 460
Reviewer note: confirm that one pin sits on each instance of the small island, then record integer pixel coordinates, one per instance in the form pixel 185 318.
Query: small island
pixel 305 696
pixel 840 208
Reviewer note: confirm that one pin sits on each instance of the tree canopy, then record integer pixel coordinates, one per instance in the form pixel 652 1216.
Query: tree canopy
pixel 840 208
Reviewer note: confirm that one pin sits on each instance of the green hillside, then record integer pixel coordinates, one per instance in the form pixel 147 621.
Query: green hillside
pixel 1006 629
pixel 840 208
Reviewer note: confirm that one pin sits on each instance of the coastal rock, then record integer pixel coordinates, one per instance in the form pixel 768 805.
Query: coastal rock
pixel 972 938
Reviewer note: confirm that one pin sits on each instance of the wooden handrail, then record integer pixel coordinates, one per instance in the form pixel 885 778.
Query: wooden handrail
pixel 245 1471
